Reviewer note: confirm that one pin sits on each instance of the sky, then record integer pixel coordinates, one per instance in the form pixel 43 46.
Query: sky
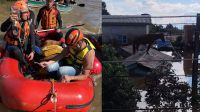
pixel 156 8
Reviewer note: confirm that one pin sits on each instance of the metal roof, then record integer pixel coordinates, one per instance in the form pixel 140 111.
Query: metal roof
pixel 132 19
pixel 142 58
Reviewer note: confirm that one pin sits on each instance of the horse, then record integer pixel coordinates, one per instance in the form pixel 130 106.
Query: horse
pixel 146 39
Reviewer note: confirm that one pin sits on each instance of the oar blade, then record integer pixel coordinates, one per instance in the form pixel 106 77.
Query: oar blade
pixel 81 5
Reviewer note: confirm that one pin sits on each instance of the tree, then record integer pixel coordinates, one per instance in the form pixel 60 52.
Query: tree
pixel 156 28
pixel 164 90
pixel 118 92
pixel 170 29
pixel 104 10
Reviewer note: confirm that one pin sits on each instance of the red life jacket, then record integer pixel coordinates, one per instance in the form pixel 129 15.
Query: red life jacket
pixel 9 34
pixel 49 20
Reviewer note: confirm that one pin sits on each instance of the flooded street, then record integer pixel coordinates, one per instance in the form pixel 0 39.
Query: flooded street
pixel 90 15
pixel 182 70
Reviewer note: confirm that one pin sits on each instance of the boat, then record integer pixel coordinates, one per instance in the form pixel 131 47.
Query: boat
pixel 36 4
pixel 23 94
pixel 19 93
pixel 42 34
pixel 64 8
pixel 61 8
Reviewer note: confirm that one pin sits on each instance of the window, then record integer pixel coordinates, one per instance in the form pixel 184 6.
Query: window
pixel 122 39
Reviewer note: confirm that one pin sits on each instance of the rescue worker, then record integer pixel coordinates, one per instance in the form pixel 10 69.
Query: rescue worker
pixel 5 25
pixel 76 60
pixel 19 34
pixel 50 17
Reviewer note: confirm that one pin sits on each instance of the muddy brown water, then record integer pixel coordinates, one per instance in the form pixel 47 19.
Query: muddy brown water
pixel 182 69
pixel 90 15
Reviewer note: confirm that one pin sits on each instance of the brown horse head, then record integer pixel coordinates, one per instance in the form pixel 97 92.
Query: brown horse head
pixel 147 39
pixel 154 36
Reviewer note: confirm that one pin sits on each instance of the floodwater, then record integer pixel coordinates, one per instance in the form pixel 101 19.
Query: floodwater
pixel 90 15
pixel 182 69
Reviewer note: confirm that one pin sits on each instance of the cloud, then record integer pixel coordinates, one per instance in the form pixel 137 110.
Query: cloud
pixel 155 8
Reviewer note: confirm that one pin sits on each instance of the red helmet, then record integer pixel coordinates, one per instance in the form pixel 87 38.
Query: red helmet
pixel 73 36
pixel 97 67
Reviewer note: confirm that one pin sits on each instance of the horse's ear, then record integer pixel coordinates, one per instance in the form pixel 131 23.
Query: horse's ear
pixel 164 34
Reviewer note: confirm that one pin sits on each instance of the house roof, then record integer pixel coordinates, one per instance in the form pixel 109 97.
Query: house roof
pixel 129 48
pixel 142 58
pixel 126 19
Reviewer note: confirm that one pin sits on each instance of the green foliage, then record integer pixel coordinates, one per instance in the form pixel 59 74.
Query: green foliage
pixel 104 10
pixel 170 29
pixel 156 28
pixel 117 92
pixel 164 90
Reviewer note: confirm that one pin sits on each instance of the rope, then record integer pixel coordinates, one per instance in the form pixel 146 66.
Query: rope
pixel 53 95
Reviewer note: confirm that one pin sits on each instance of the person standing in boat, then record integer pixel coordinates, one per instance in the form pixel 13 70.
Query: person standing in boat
pixel 50 16
pixel 5 25
pixel 76 60
pixel 19 34
pixel 31 19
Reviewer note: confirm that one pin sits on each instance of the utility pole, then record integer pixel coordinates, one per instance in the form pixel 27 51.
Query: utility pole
pixel 195 65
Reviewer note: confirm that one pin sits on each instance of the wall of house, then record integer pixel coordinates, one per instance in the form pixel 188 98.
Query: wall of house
pixel 188 33
pixel 111 33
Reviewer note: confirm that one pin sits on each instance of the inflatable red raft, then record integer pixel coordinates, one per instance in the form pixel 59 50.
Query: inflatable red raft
pixel 19 93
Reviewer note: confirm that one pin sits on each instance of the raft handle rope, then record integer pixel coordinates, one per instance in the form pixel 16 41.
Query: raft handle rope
pixel 53 95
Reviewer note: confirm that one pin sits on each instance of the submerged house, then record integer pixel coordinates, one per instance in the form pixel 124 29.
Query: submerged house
pixel 120 30
pixel 141 63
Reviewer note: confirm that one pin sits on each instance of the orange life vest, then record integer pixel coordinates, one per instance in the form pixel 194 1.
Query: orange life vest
pixel 49 20
pixel 9 34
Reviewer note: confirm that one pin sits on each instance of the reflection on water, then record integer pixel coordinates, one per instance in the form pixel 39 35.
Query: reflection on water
pixel 182 70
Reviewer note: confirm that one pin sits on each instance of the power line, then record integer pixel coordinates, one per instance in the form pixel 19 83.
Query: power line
pixel 136 16
pixel 130 109
pixel 147 75
pixel 186 16
pixel 173 60
pixel 175 24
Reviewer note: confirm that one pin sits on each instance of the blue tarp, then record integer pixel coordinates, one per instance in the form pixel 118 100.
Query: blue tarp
pixel 161 44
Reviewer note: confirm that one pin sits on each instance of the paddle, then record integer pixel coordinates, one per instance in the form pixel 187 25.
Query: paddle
pixel 69 26
pixel 80 5
pixel 75 3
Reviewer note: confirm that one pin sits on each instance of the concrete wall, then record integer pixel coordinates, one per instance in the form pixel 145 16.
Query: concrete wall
pixel 111 33
pixel 188 33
